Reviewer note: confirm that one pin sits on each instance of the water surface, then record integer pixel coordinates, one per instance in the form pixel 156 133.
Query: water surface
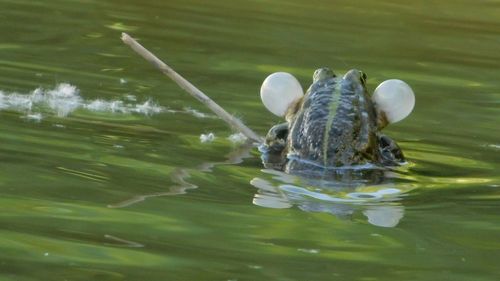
pixel 120 187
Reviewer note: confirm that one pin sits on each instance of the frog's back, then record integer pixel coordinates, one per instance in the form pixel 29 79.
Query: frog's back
pixel 334 127
pixel 310 122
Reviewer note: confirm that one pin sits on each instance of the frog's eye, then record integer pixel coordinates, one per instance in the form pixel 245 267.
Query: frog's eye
pixel 394 99
pixel 278 91
pixel 362 77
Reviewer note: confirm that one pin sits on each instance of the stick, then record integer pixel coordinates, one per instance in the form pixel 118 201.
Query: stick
pixel 191 89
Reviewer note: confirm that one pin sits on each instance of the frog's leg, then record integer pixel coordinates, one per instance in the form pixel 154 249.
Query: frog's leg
pixel 390 153
pixel 273 149
pixel 276 137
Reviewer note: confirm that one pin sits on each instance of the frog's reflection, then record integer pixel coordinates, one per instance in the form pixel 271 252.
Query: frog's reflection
pixel 179 176
pixel 378 206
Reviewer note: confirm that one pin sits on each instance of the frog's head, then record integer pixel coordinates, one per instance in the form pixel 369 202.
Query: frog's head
pixel 322 73
pixel 337 122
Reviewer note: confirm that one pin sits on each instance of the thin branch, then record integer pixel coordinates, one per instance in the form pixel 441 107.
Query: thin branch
pixel 190 88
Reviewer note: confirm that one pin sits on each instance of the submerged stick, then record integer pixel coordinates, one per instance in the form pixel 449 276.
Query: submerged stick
pixel 190 88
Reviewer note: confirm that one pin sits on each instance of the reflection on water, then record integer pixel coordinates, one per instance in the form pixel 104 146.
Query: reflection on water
pixel 386 216
pixel 58 176
pixel 377 201
pixel 125 243
pixel 180 176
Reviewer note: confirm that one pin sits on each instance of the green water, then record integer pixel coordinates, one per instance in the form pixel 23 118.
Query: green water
pixel 97 195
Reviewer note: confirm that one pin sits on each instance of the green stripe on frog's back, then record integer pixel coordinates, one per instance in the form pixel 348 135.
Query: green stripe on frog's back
pixel 331 115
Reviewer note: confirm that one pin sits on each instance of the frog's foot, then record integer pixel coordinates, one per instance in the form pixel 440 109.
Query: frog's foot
pixel 276 138
pixel 273 149
pixel 390 153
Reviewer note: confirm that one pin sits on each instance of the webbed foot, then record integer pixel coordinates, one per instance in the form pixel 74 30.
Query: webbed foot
pixel 390 152
pixel 276 137
pixel 274 146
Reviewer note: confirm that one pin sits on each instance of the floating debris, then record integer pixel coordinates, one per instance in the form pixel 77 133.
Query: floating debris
pixel 495 146
pixel 204 138
pixel 237 138
pixel 103 106
pixel 147 108
pixel 37 117
pixel 65 99
pixel 130 97
pixel 197 113
pixel 309 251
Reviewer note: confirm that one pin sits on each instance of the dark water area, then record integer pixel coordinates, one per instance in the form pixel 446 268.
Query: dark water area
pixel 103 175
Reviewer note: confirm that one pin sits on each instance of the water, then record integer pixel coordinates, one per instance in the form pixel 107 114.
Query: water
pixel 119 192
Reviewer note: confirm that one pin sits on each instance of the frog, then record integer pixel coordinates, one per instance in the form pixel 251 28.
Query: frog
pixel 333 126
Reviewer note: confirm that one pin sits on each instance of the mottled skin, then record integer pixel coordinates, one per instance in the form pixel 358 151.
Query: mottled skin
pixel 334 125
